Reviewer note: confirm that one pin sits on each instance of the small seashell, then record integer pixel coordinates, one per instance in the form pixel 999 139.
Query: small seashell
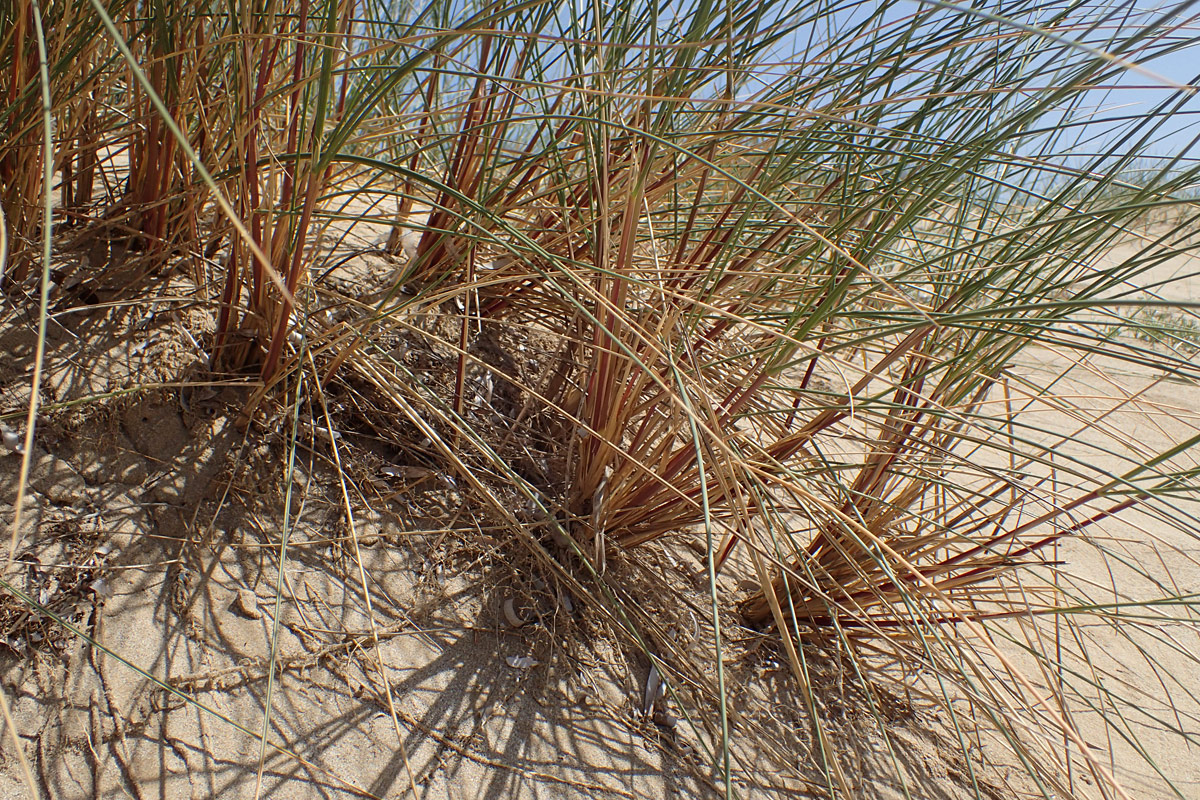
pixel 101 588
pixel 510 614
pixel 325 432
pixel 11 439
pixel 104 549
pixel 654 690
pixel 522 662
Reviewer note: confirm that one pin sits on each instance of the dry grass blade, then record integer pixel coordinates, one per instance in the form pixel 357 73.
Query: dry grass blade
pixel 824 295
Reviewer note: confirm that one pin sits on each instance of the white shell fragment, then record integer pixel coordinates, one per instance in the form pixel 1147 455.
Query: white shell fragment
pixel 522 662
pixel 511 616
pixel 11 439
pixel 325 433
pixel 102 589
pixel 654 690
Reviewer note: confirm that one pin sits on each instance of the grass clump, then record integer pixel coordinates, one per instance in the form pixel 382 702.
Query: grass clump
pixel 809 289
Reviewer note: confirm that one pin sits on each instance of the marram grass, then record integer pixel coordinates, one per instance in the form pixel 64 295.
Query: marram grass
pixel 818 288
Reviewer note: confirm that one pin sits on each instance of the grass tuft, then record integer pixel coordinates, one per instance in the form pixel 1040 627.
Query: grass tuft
pixel 850 303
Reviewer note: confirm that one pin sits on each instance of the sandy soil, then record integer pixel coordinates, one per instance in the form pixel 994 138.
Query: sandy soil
pixel 155 533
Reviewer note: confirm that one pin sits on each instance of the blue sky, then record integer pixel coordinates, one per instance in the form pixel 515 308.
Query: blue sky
pixel 1137 93
pixel 1132 93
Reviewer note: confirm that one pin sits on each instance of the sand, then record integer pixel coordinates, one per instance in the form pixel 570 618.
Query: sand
pixel 177 511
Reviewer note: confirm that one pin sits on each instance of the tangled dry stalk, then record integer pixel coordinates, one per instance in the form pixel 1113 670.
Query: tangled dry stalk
pixel 643 286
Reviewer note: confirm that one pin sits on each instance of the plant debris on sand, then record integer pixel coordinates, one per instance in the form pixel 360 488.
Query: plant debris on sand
pixel 634 400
